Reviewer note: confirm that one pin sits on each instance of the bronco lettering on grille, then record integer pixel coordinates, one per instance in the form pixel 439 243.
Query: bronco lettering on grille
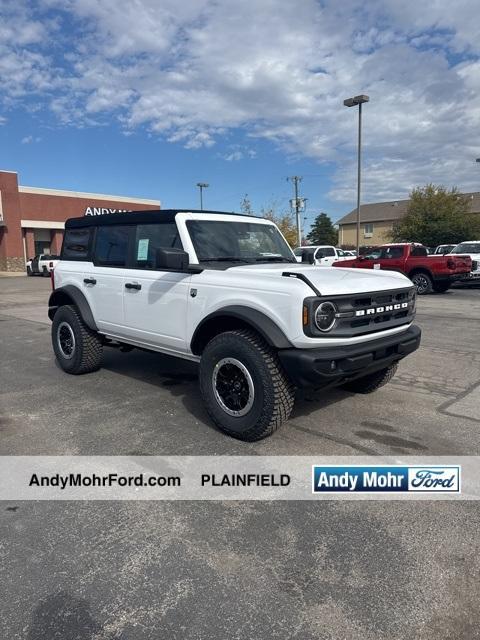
pixel 385 309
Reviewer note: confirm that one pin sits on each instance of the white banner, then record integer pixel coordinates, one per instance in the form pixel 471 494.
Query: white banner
pixel 239 478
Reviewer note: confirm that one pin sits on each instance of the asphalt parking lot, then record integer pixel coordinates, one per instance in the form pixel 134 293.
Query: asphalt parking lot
pixel 138 571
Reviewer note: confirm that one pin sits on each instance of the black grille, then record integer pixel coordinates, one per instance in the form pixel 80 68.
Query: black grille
pixel 366 313
pixel 474 265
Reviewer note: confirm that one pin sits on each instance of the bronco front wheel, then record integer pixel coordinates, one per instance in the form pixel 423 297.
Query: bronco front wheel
pixel 245 389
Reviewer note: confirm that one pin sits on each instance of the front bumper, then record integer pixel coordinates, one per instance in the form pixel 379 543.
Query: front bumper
pixel 335 365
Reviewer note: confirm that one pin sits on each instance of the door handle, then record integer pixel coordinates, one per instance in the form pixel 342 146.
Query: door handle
pixel 133 285
pixel 90 281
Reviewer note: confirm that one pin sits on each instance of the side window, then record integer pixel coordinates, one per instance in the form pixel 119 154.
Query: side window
pixel 111 246
pixel 340 253
pixel 418 252
pixel 328 251
pixel 149 238
pixel 75 244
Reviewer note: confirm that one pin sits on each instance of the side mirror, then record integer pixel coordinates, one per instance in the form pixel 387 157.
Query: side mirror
pixel 174 259
pixel 308 257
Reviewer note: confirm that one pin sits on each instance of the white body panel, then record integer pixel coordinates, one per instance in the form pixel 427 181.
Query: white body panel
pixel 164 314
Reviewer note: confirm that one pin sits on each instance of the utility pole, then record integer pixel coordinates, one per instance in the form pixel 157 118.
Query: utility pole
pixel 202 186
pixel 297 203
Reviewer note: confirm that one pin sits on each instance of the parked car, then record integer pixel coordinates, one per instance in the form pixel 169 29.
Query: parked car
pixel 42 264
pixel 226 291
pixel 470 248
pixel 428 273
pixel 443 249
pixel 320 255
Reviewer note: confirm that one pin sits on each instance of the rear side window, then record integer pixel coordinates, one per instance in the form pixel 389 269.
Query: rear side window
pixel 76 243
pixel 393 253
pixel 326 251
pixel 149 238
pixel 419 252
pixel 111 246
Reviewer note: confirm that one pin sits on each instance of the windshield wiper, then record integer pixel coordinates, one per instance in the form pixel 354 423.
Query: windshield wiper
pixel 224 259
pixel 274 259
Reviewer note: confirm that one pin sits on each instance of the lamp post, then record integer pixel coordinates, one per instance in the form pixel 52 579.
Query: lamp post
pixel 352 102
pixel 202 186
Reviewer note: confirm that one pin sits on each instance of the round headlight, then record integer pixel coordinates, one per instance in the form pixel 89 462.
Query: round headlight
pixel 325 316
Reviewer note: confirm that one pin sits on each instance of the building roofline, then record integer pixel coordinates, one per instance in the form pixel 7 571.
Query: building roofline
pixel 86 195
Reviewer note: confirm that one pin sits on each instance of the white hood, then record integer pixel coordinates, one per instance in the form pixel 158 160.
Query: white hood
pixel 333 280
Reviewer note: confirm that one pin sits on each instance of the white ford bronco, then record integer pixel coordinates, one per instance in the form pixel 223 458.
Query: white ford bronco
pixel 226 291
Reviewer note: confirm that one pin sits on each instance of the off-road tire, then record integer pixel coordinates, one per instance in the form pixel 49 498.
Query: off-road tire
pixel 87 352
pixel 372 382
pixel 273 395
pixel 441 287
pixel 423 283
pixel 29 272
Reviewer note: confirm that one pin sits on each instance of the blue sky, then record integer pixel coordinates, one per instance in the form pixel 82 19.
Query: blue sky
pixel 145 99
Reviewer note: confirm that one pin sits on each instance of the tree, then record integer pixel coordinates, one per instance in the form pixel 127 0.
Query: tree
pixel 436 215
pixel 284 222
pixel 323 231
pixel 246 205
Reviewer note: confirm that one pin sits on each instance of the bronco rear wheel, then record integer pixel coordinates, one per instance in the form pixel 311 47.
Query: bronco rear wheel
pixel 77 348
pixel 245 389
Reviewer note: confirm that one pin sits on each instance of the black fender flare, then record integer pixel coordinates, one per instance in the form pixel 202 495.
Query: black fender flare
pixel 71 295
pixel 265 326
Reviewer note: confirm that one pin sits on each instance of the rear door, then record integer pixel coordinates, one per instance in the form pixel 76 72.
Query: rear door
pixel 155 301
pixel 391 258
pixel 103 280
pixel 34 266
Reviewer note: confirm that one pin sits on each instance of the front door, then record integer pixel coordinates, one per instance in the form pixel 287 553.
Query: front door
pixel 155 302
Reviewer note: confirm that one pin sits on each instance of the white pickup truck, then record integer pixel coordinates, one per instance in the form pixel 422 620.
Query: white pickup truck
pixel 321 255
pixel 42 264
pixel 226 291
pixel 470 248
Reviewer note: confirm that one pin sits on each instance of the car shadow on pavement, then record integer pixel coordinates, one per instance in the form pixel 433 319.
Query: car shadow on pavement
pixel 179 376
pixel 63 615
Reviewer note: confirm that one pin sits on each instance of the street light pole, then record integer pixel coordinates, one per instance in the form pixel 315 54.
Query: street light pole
pixel 202 186
pixel 352 102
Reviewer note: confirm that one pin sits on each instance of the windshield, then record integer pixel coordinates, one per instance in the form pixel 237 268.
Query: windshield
pixel 245 242
pixel 467 247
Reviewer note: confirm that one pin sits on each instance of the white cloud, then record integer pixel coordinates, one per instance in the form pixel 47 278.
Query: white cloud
pixel 30 139
pixel 191 71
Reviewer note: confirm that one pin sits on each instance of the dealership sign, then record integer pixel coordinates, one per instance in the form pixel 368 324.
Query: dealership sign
pixel 101 211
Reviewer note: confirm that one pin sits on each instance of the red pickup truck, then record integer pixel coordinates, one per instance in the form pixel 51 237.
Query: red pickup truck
pixel 427 272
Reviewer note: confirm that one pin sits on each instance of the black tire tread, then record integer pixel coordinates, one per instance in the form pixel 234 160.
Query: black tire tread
pixel 91 345
pixel 283 390
pixel 429 279
pixel 372 382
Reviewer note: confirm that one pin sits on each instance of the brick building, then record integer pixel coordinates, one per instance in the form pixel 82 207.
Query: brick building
pixel 32 219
